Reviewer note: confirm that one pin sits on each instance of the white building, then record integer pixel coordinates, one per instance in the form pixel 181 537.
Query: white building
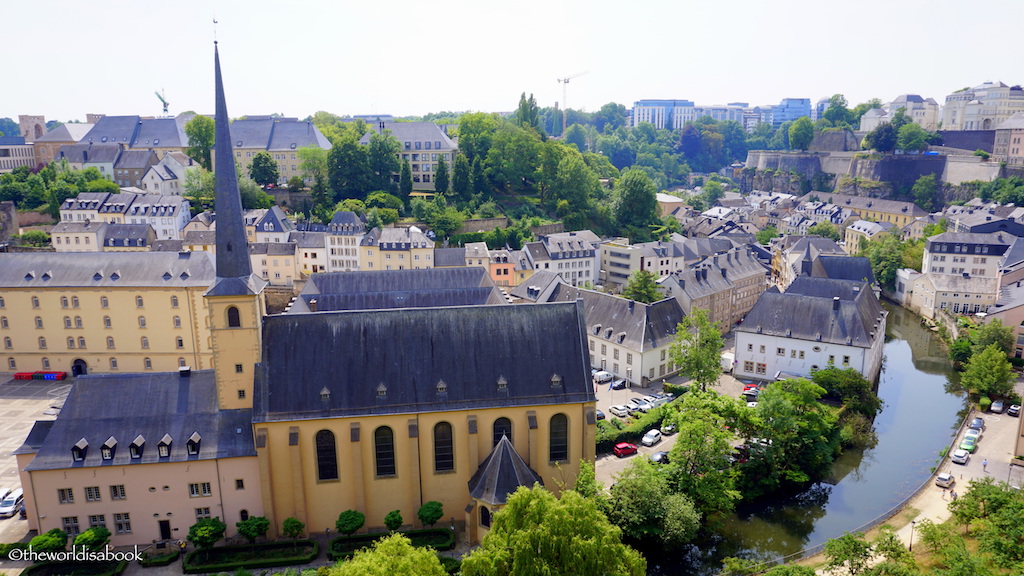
pixel 571 255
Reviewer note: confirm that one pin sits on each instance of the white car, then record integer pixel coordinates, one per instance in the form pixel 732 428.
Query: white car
pixel 976 434
pixel 651 438
pixel 618 410
pixel 945 480
pixel 640 404
pixel 960 456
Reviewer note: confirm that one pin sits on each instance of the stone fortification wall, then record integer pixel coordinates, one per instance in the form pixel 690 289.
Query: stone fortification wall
pixel 960 169
pixel 969 139
pixel 835 141
pixel 8 221
pixel 901 170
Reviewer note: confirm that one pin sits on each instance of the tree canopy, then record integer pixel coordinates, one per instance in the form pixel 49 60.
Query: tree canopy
pixel 697 348
pixel 201 138
pixel 391 556
pixel 642 286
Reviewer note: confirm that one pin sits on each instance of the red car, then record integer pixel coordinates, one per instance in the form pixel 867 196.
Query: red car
pixel 623 449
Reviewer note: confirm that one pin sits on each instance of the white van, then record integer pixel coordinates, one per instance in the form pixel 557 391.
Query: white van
pixel 9 505
pixel 602 377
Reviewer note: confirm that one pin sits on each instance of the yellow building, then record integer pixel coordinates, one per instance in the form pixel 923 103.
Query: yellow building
pixel 105 311
pixel 384 410
pixel 396 249
pixel 897 212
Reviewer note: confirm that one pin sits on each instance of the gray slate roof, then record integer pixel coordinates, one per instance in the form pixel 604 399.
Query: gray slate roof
pixel 150 405
pixel 448 257
pixel 843 267
pixel 403 355
pixel 66 133
pixel 806 312
pixel 501 474
pixel 634 325
pixel 106 269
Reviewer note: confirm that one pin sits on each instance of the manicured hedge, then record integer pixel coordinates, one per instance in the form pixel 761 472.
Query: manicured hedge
pixel 610 434
pixel 76 569
pixel 451 565
pixel 150 560
pixel 4 548
pixel 264 555
pixel 344 547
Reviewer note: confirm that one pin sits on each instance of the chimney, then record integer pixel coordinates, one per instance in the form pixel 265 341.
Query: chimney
pixel 382 127
pixel 835 302
pixel 631 304
pixel 312 305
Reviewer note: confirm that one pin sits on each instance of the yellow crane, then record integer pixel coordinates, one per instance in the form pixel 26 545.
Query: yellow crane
pixel 565 108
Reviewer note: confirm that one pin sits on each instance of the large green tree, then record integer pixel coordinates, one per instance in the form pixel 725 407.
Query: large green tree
pixel 528 115
pixel 200 131
pixel 912 137
pixel 348 169
pixel 641 503
pixel 441 180
pixel 825 230
pixel 476 131
pixel 537 533
pixel 513 159
pixel 642 286
pixel 925 192
pixel 988 373
pixel 849 552
pixel 801 133
pixel 382 157
pixel 263 169
pixel 882 138
pixel 637 205
pixel 391 556
pixel 993 332
pixel 697 349
pixel 462 182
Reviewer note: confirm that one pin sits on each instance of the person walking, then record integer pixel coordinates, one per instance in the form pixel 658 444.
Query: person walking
pixel 984 465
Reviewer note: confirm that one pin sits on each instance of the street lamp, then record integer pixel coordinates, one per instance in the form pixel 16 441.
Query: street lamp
pixel 913 524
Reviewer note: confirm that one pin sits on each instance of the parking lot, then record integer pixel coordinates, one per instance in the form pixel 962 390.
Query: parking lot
pixel 22 402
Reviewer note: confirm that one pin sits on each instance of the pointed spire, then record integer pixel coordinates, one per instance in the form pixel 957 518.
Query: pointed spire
pixel 232 252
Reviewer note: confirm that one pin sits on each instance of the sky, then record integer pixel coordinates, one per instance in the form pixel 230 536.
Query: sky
pixel 295 57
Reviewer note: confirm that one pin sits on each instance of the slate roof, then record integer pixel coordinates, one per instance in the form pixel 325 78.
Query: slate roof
pixel 122 232
pixel 78 226
pixel 500 474
pixel 1014 122
pixel 538 288
pixel 994 238
pixel 90 153
pixel 272 248
pixel 449 257
pixel 856 268
pixel 66 133
pixel 134 159
pixel 157 205
pixel 412 132
pixel 36 436
pixel 150 405
pixel 634 325
pixel 308 239
pixel 345 222
pixel 195 237
pixel 111 129
pixel 292 134
pixel 166 245
pixel 106 269
pixel 396 238
pixel 381 289
pixel 1010 296
pixel 864 203
pixel 404 355
pixel 806 312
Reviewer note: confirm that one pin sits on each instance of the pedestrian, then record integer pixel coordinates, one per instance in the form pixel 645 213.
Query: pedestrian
pixel 954 495
pixel 944 493
pixel 984 465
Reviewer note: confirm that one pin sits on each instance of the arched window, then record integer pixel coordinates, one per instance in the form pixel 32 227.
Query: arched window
pixel 12 364
pixel 145 343
pixel 174 301
pixel 384 449
pixel 35 302
pixel 485 517
pixel 177 321
pixel 148 363
pixel 179 342
pixel 39 322
pixel 71 343
pixel 110 342
pixel 7 342
pixel 63 301
pixel 233 319
pixel 326 456
pixel 67 322
pixel 113 363
pixel 142 321
pixel 444 454
pixel 78 321
pixel 3 322
pixel 104 303
pixel 181 362
pixel 74 301
pixel 138 301
pixel 502 427
pixel 244 515
pixel 558 439
pixel 81 341
pixel 106 321
pixel 46 363
pixel 42 343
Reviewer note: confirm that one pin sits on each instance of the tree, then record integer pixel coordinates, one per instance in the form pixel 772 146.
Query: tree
pixel 576 184
pixel 313 162
pixel 886 256
pixel 537 533
pixel 576 136
pixel 349 521
pixel 925 192
pixel 882 138
pixel 837 113
pixel 95 538
pixel 253 527
pixel 391 556
pixel 825 230
pixel 527 115
pixel 765 236
pixel 36 238
pixel 441 183
pixel 960 351
pixel 206 532
pixel 393 520
pixel 638 505
pixel 912 137
pixel 637 206
pixel 462 184
pixel 53 541
pixel 382 156
pixel 855 391
pixel 252 196
pixel 430 512
pixel 348 169
pixel 988 373
pixel 201 131
pixel 381 199
pixel 512 161
pixel 801 133
pixel 642 287
pixel 103 185
pixel 993 332
pixel 199 188
pixel 475 134
pixel 697 349
pixel 292 527
pixel 405 180
pixel 263 169
pixel 849 551
pixel 479 179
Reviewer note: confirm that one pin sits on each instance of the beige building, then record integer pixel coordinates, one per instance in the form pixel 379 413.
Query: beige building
pixel 983 107
pixel 47 146
pixel 104 312
pixel 423 145
pixel 1009 144
pixel 396 249
pixel 279 137
pixel 80 236
pixel 14 152
pixel 726 285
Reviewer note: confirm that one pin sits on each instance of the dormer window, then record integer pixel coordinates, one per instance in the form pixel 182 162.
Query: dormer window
pixel 108 448
pixel 502 383
pixel 325 394
pixel 137 446
pixel 382 391
pixel 79 449
pixel 164 447
pixel 442 388
pixel 192 446
pixel 556 380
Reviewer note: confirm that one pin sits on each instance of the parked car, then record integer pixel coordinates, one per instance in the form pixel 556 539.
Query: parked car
pixel 9 505
pixel 619 384
pixel 668 430
pixel 651 438
pixel 618 410
pixel 640 404
pixel 623 449
pixel 1013 410
pixel 997 407
pixel 945 480
pixel 659 458
pixel 969 444
pixel 977 423
pixel 600 415
pixel 960 457
pixel 976 434
pixel 602 377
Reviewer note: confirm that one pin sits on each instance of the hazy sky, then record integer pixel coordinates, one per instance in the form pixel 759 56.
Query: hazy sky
pixel 68 58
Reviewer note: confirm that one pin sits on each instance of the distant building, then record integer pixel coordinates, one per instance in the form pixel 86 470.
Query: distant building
pixel 983 107
pixel 727 286
pixel 396 249
pixel 279 137
pixel 162 135
pixel 897 212
pixel 664 114
pixel 571 255
pixel 15 152
pixel 168 175
pixel 423 145
pixel 789 109
pixel 1009 144
pixel 48 145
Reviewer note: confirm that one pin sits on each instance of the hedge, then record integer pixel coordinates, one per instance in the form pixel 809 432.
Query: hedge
pixel 151 560
pixel 306 551
pixel 608 435
pixel 5 548
pixel 76 569
pixel 452 566
pixel 344 547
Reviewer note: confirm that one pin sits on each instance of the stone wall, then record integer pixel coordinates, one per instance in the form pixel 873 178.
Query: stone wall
pixel 969 139
pixel 900 170
pixel 960 169
pixel 8 221
pixel 835 141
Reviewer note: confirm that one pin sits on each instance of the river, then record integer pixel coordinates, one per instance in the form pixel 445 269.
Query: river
pixel 922 409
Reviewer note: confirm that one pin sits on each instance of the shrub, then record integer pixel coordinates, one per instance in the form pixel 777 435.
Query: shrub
pixel 95 538
pixel 610 435
pixel 984 403
pixel 451 565
pixel 292 527
pixel 393 520
pixel 674 389
pixel 52 541
pixel 265 555
pixel 349 521
pixel 253 527
pixel 151 560
pixel 430 512
pixel 206 532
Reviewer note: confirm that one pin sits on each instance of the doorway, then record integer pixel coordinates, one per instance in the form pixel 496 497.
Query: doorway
pixel 165 529
pixel 79 367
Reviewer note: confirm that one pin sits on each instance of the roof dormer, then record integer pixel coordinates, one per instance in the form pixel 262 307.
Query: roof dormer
pixel 79 449
pixel 192 445
pixel 109 448
pixel 137 447
pixel 163 449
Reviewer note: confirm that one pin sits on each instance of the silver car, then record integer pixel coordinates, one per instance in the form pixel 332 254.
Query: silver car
pixel 960 456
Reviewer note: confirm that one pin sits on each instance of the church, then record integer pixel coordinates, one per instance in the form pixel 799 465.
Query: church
pixel 309 414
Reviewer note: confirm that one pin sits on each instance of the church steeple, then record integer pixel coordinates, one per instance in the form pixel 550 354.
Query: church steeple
pixel 235 300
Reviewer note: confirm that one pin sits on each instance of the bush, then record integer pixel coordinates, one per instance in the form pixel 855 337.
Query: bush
pixel 5 548
pixel 205 533
pixel 436 538
pixel 430 512
pixel 349 521
pixel 292 527
pixel 451 565
pixel 610 435
pixel 76 569
pixel 150 560
pixel 675 390
pixel 394 520
pixel 984 403
pixel 265 555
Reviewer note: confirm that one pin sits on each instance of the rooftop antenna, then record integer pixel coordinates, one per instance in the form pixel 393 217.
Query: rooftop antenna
pixel 565 107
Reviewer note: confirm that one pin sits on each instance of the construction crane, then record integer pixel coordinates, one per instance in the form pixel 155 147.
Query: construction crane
pixel 565 108
pixel 163 100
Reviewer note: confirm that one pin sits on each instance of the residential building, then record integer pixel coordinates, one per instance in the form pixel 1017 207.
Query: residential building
pixel 168 175
pixel 875 209
pixel 619 259
pixel 815 323
pixel 277 263
pixel 396 249
pixel 15 152
pixel 273 226
pixel 132 165
pixel 166 214
pixel 727 286
pixel 162 135
pixel 571 255
pixel 311 248
pixel 423 145
pixel 1009 309
pixel 794 256
pixel 976 255
pixel 983 107
pixel 87 155
pixel 1009 143
pixel 79 236
pixel 279 137
pixel 104 311
pixel 344 234
pixel 860 232
pixel 48 145
pixel 128 238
